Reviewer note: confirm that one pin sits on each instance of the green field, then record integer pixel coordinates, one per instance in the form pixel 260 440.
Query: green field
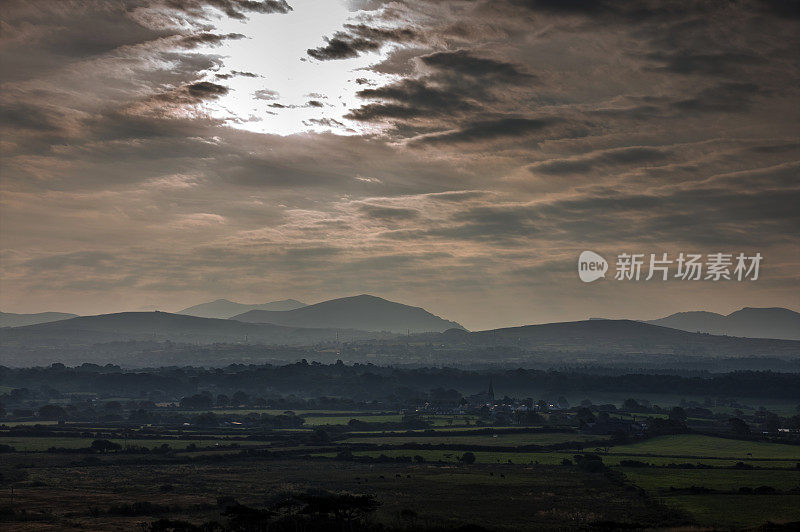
pixel 44 443
pixel 499 440
pixel 691 445
pixel 555 458
pixel 716 479
pixel 722 511
pixel 314 421
pixel 28 423
pixel 444 497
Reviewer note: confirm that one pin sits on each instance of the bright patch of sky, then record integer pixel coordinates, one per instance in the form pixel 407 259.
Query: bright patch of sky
pixel 275 48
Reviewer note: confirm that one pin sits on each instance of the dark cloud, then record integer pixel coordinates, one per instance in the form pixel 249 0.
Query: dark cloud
pixel 244 74
pixel 496 128
pixel 630 125
pixel 629 157
pixel 730 97
pixel 463 63
pixel 781 8
pixel 710 64
pixel 193 93
pixel 359 38
pixel 388 214
pixel 327 122
pixel 24 116
pixel 235 73
pixel 409 98
pixel 233 8
pixel 266 94
pixel 199 39
pixel 627 11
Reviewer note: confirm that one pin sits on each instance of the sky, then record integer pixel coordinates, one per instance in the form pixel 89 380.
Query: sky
pixel 455 155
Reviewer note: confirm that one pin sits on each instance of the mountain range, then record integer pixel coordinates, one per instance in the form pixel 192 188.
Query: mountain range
pixel 163 326
pixel 9 319
pixel 748 322
pixel 223 308
pixel 614 336
pixel 364 312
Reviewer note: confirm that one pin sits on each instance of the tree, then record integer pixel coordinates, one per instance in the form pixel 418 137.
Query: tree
pixel 197 402
pixel 631 404
pixel 52 412
pixel 113 407
pixel 468 458
pixel 105 446
pixel 208 419
pixel 771 422
pixel 739 427
pixel 678 414
pixel 584 415
pixel 591 463
pixel 240 398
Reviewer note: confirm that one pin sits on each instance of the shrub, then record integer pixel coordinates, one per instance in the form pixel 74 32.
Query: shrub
pixel 763 490
pixel 633 463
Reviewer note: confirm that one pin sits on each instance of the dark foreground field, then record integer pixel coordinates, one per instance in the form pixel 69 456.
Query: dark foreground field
pixel 63 494
pixel 164 453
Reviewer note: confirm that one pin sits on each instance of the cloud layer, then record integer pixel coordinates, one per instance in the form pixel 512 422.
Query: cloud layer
pixel 485 147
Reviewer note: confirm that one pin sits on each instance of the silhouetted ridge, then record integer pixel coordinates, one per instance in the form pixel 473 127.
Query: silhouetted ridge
pixel 224 308
pixel 748 322
pixel 363 312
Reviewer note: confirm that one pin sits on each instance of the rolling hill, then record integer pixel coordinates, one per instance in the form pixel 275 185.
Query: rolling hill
pixel 223 308
pixel 163 326
pixel 9 319
pixel 364 312
pixel 748 322
pixel 615 336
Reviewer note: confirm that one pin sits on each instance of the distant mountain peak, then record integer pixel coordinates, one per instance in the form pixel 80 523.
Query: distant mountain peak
pixel 748 322
pixel 225 308
pixel 363 312
pixel 10 319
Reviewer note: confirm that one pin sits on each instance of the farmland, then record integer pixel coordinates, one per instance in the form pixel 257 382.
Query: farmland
pixel 83 461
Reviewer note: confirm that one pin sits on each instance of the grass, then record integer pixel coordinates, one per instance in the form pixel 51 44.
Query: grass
pixel 555 458
pixel 315 421
pixel 540 498
pixel 44 443
pixel 723 511
pixel 499 440
pixel 717 479
pixel 27 423
pixel 442 430
pixel 691 445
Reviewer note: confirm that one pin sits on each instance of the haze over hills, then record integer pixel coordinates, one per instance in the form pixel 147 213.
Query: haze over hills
pixel 163 326
pixel 617 336
pixel 10 319
pixel 748 322
pixel 363 312
pixel 223 308
pixel 155 338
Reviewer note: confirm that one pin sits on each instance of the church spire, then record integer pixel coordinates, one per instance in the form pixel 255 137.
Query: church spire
pixel 490 393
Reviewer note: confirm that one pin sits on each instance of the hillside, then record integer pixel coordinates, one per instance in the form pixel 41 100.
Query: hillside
pixel 223 308
pixel 9 319
pixel 162 326
pixel 364 312
pixel 616 336
pixel 748 322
